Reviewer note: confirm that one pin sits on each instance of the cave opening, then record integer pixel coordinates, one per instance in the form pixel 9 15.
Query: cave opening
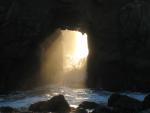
pixel 64 57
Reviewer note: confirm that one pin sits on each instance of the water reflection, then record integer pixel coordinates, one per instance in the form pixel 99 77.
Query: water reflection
pixel 74 96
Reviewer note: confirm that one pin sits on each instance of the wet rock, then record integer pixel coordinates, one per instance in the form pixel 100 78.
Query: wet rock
pixel 56 104
pixel 8 110
pixel 80 110
pixel 113 98
pixel 103 109
pixel 40 106
pixel 88 105
pixel 146 102
pixel 124 104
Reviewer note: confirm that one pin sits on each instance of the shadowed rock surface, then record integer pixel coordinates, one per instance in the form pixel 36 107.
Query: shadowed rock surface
pixel 145 111
pixel 103 110
pixel 118 32
pixel 88 105
pixel 8 110
pixel 146 102
pixel 124 104
pixel 56 104
pixel 80 110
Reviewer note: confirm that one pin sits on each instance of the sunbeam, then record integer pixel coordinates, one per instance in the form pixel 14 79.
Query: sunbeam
pixel 65 59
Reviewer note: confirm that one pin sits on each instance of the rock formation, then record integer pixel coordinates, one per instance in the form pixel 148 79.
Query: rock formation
pixel 118 35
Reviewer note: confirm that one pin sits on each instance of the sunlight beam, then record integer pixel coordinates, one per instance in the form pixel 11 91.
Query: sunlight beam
pixel 75 48
pixel 64 60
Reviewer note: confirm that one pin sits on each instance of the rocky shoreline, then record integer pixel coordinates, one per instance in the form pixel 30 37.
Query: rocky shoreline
pixel 117 103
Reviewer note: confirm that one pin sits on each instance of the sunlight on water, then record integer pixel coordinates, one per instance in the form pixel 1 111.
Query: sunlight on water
pixel 23 100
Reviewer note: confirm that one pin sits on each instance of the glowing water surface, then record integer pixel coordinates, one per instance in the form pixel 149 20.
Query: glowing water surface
pixel 22 100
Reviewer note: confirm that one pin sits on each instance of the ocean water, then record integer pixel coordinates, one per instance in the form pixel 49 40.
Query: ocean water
pixel 22 100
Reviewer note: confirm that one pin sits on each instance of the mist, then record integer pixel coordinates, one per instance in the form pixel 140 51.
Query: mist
pixel 64 58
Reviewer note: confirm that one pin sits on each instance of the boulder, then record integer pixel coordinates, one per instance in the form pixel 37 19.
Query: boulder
pixel 124 104
pixel 88 105
pixel 56 104
pixel 8 110
pixel 146 102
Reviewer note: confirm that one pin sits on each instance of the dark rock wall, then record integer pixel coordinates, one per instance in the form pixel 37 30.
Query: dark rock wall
pixel 118 40
pixel 119 53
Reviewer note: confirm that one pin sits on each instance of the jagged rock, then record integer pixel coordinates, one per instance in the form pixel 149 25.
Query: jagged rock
pixel 88 105
pixel 56 104
pixel 8 110
pixel 124 104
pixel 146 102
